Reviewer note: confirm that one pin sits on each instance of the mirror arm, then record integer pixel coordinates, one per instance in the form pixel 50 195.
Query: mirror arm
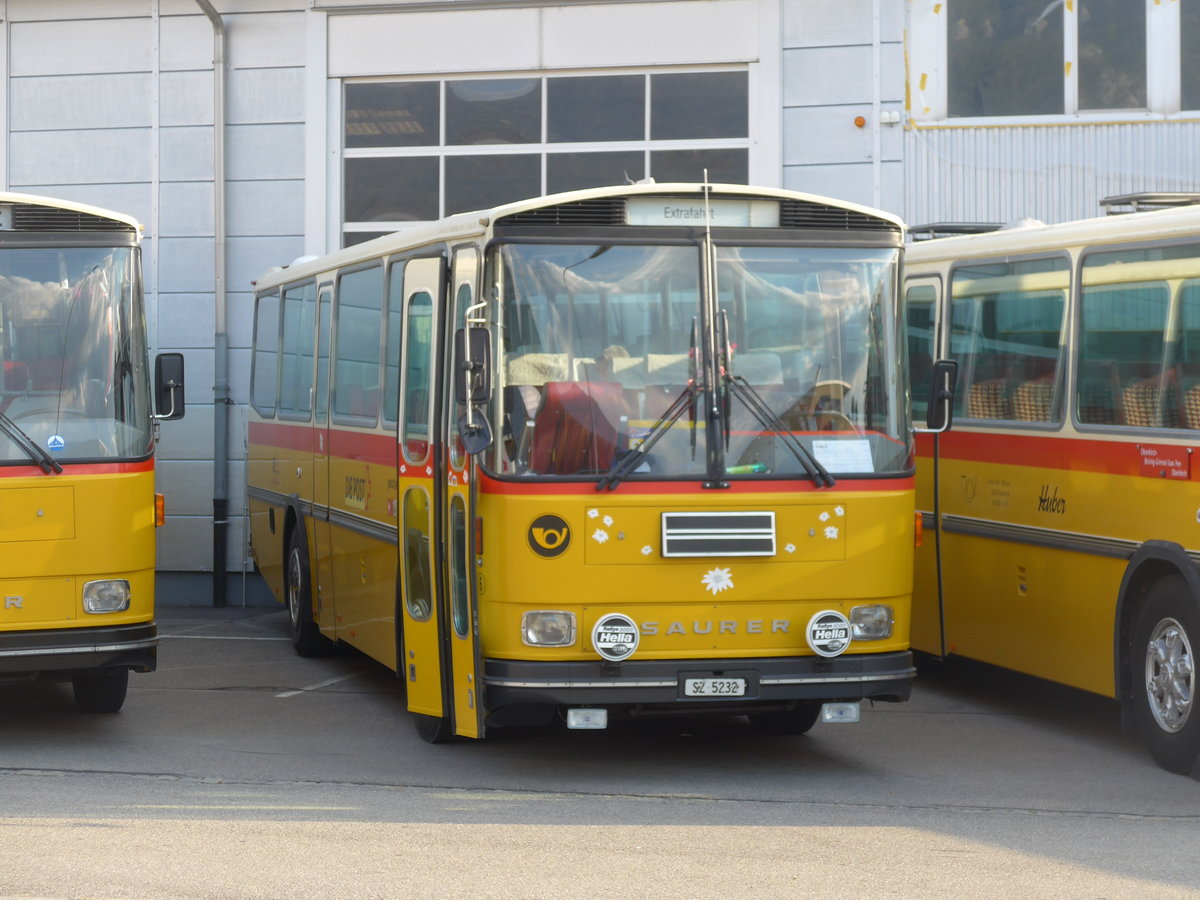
pixel 170 386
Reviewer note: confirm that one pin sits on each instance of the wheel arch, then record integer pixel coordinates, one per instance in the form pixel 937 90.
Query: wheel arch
pixel 1151 562
pixel 293 518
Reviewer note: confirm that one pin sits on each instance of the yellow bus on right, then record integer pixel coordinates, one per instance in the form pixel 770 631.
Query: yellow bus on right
pixel 1062 511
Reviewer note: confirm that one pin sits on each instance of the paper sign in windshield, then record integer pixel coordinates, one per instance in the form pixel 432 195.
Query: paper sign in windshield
pixel 844 456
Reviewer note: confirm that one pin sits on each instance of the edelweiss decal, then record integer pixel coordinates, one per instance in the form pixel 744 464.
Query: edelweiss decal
pixel 717 580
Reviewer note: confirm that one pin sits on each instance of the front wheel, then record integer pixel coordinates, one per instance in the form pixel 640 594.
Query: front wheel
pixel 306 636
pixel 100 692
pixel 1163 670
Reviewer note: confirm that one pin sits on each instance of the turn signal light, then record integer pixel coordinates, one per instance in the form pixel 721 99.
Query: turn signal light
pixel 160 510
pixel 919 531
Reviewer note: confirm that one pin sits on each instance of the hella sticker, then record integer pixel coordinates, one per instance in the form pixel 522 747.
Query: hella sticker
pixel 828 633
pixel 615 637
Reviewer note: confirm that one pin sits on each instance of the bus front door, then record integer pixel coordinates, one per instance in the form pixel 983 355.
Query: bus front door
pixel 457 519
pixel 422 615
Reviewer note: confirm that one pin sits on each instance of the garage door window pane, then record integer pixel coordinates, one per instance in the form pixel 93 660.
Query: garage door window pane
pixel 398 189
pixel 1189 51
pixel 494 111
pixel 480 182
pixel 699 105
pixel 611 108
pixel 395 114
pixel 575 171
pixel 724 166
pixel 1112 55
pixel 1005 57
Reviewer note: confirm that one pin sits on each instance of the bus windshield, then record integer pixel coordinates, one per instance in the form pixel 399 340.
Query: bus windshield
pixel 791 362
pixel 73 348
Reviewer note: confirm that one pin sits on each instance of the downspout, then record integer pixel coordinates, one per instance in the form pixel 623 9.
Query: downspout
pixel 221 398
pixel 876 106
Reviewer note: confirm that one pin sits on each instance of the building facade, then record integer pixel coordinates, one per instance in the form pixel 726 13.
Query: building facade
pixel 246 133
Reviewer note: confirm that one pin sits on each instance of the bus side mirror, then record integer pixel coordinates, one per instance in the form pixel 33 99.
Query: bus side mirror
pixel 473 386
pixel 168 386
pixel 941 395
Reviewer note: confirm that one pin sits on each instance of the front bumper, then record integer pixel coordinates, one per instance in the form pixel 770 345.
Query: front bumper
pixel 659 683
pixel 78 649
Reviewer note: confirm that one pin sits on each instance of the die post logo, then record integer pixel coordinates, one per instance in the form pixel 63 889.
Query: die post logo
pixel 549 536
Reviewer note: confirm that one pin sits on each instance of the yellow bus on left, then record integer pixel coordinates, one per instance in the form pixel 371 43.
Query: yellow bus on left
pixel 79 416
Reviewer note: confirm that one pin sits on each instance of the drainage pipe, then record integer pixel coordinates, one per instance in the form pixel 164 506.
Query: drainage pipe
pixel 221 397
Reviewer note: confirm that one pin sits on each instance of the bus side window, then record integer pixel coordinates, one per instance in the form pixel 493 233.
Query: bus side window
pixel 418 347
pixel 391 343
pixel 1189 352
pixel 264 379
pixel 1008 323
pixel 919 305
pixel 1122 348
pixel 296 352
pixel 357 345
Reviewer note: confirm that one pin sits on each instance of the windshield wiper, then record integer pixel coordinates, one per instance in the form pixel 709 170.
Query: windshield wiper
pixel 761 411
pixel 31 447
pixel 631 460
pixel 737 384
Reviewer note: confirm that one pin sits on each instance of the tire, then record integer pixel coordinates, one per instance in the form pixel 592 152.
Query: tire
pixel 1163 674
pixel 297 576
pixel 433 729
pixel 100 692
pixel 797 720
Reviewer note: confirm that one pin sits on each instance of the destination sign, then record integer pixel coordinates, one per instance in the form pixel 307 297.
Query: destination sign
pixel 719 212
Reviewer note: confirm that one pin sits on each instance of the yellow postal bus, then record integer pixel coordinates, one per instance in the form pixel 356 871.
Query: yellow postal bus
pixel 629 450
pixel 78 510
pixel 1065 504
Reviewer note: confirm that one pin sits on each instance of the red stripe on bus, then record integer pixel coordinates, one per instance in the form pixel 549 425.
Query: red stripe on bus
pixel 300 436
pixel 69 468
pixel 791 485
pixel 380 449
pixel 1073 454
pixel 370 447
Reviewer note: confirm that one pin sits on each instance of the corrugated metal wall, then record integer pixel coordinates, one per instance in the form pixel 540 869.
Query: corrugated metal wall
pixel 1052 173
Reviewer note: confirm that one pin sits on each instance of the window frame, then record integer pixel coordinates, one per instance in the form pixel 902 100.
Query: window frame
pixel 1064 359
pixel 543 149
pixel 344 418
pixel 258 354
pixel 928 72
pixel 290 413
pixel 1171 325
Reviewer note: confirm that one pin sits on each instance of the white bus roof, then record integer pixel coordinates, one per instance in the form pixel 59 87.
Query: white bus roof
pixel 476 222
pixel 1162 224
pixel 9 198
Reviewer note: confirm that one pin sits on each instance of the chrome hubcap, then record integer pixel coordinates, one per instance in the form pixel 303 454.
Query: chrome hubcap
pixel 1170 675
pixel 293 588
